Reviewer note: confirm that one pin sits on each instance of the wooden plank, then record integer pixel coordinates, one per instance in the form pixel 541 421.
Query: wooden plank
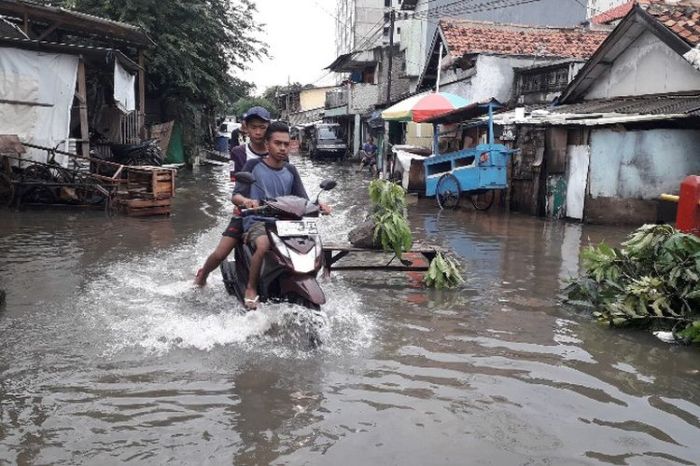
pixel 141 203
pixel 148 212
pixel 163 187
pixel 417 248
pixel 385 268
pixel 82 91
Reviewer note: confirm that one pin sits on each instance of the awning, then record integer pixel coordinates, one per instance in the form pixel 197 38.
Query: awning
pixel 469 112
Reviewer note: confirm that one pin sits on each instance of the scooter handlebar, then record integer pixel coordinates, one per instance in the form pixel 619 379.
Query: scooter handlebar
pixel 254 210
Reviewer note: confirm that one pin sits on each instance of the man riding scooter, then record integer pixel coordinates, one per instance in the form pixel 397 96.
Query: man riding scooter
pixel 275 177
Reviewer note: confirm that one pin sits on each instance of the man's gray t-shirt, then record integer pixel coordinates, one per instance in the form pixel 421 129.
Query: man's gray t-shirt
pixel 270 183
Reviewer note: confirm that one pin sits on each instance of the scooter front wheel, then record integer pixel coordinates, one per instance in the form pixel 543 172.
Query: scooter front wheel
pixel 301 301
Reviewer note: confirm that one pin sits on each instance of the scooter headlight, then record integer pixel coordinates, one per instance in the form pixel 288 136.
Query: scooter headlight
pixel 281 247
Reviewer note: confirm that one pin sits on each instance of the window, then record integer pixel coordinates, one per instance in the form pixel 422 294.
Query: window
pixel 398 31
pixel 387 3
pixel 386 31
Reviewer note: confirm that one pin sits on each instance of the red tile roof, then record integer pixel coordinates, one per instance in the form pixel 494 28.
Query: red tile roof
pixel 682 18
pixel 613 14
pixel 471 37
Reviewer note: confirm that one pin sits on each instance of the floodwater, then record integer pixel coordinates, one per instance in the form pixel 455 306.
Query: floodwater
pixel 109 355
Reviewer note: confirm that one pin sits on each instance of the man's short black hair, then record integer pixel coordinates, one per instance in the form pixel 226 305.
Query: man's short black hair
pixel 276 127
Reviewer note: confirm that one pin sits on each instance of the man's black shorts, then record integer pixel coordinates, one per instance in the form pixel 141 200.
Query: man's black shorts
pixel 234 228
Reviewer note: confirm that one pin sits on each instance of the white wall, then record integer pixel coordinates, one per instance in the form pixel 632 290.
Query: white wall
pixel 648 66
pixel 493 78
pixel 596 7
pixel 642 164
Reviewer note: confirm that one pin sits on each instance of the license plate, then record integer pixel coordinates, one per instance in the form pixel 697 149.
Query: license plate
pixel 296 228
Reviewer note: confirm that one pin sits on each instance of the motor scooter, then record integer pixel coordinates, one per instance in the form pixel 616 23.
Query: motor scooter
pixel 290 267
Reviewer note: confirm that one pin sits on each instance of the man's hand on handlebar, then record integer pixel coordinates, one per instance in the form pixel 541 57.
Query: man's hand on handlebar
pixel 250 203
pixel 325 208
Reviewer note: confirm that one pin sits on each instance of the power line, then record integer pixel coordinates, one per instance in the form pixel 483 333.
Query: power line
pixel 460 7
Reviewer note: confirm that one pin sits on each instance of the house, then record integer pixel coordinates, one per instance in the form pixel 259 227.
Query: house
pixel 296 102
pixel 626 128
pixel 370 86
pixel 418 29
pixel 49 58
pixel 478 58
pixel 611 12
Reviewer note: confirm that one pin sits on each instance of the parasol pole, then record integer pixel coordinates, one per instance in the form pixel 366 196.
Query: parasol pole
pixel 436 136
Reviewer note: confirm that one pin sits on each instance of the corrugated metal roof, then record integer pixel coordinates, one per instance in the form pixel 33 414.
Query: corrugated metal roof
pixel 669 104
pixel 305 117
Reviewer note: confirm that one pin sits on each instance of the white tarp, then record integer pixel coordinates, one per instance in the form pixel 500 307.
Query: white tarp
pixel 579 157
pixel 36 96
pixel 124 89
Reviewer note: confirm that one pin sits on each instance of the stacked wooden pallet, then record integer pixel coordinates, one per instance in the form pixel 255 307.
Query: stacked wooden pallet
pixel 149 191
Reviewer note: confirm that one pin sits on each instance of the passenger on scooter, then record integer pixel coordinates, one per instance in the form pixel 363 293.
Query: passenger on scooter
pixel 274 177
pixel 255 122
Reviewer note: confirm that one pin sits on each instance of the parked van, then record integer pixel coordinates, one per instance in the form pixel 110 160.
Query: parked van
pixel 327 141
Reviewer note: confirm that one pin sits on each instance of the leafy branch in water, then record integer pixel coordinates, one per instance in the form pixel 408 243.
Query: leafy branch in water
pixel 653 282
pixel 393 233
pixel 391 227
pixel 443 273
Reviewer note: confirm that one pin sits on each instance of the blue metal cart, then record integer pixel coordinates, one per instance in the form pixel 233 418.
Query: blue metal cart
pixel 477 172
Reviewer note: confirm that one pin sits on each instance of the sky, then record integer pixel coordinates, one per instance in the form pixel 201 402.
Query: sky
pixel 301 38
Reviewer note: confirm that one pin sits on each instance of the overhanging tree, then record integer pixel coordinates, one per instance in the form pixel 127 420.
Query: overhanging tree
pixel 199 43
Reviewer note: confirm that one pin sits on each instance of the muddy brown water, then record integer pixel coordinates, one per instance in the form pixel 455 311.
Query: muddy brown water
pixel 108 355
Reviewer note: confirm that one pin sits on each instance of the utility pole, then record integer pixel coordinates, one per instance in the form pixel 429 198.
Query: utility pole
pixel 392 20
pixel 385 151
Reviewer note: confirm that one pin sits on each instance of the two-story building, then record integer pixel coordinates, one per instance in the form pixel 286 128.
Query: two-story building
pixel 626 128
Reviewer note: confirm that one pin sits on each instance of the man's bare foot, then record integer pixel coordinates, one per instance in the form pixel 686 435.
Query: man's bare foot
pixel 251 299
pixel 200 279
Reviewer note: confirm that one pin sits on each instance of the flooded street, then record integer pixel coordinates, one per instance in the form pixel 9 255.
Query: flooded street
pixel 108 354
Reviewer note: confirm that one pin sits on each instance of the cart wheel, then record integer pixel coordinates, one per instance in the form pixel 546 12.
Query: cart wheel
pixel 448 191
pixel 7 190
pixel 483 200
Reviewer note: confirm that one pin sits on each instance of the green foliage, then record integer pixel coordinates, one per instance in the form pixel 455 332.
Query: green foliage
pixel 391 227
pixel 385 195
pixel 391 230
pixel 243 104
pixel 443 273
pixel 198 44
pixel 652 282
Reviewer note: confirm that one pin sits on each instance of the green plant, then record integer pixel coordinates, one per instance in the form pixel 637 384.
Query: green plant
pixel 652 282
pixel 443 273
pixel 391 227
pixel 387 196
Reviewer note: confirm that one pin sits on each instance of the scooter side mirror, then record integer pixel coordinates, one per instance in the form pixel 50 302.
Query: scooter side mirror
pixel 327 185
pixel 245 177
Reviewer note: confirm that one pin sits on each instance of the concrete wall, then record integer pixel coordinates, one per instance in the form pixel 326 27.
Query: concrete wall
pixel 493 78
pixel 313 98
pixel 363 97
pixel 648 66
pixel 641 164
pixel 599 6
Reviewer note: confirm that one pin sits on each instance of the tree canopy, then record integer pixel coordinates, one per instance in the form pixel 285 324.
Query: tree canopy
pixel 243 104
pixel 199 44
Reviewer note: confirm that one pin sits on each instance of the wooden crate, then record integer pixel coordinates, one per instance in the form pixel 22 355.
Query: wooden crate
pixel 150 182
pixel 146 207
